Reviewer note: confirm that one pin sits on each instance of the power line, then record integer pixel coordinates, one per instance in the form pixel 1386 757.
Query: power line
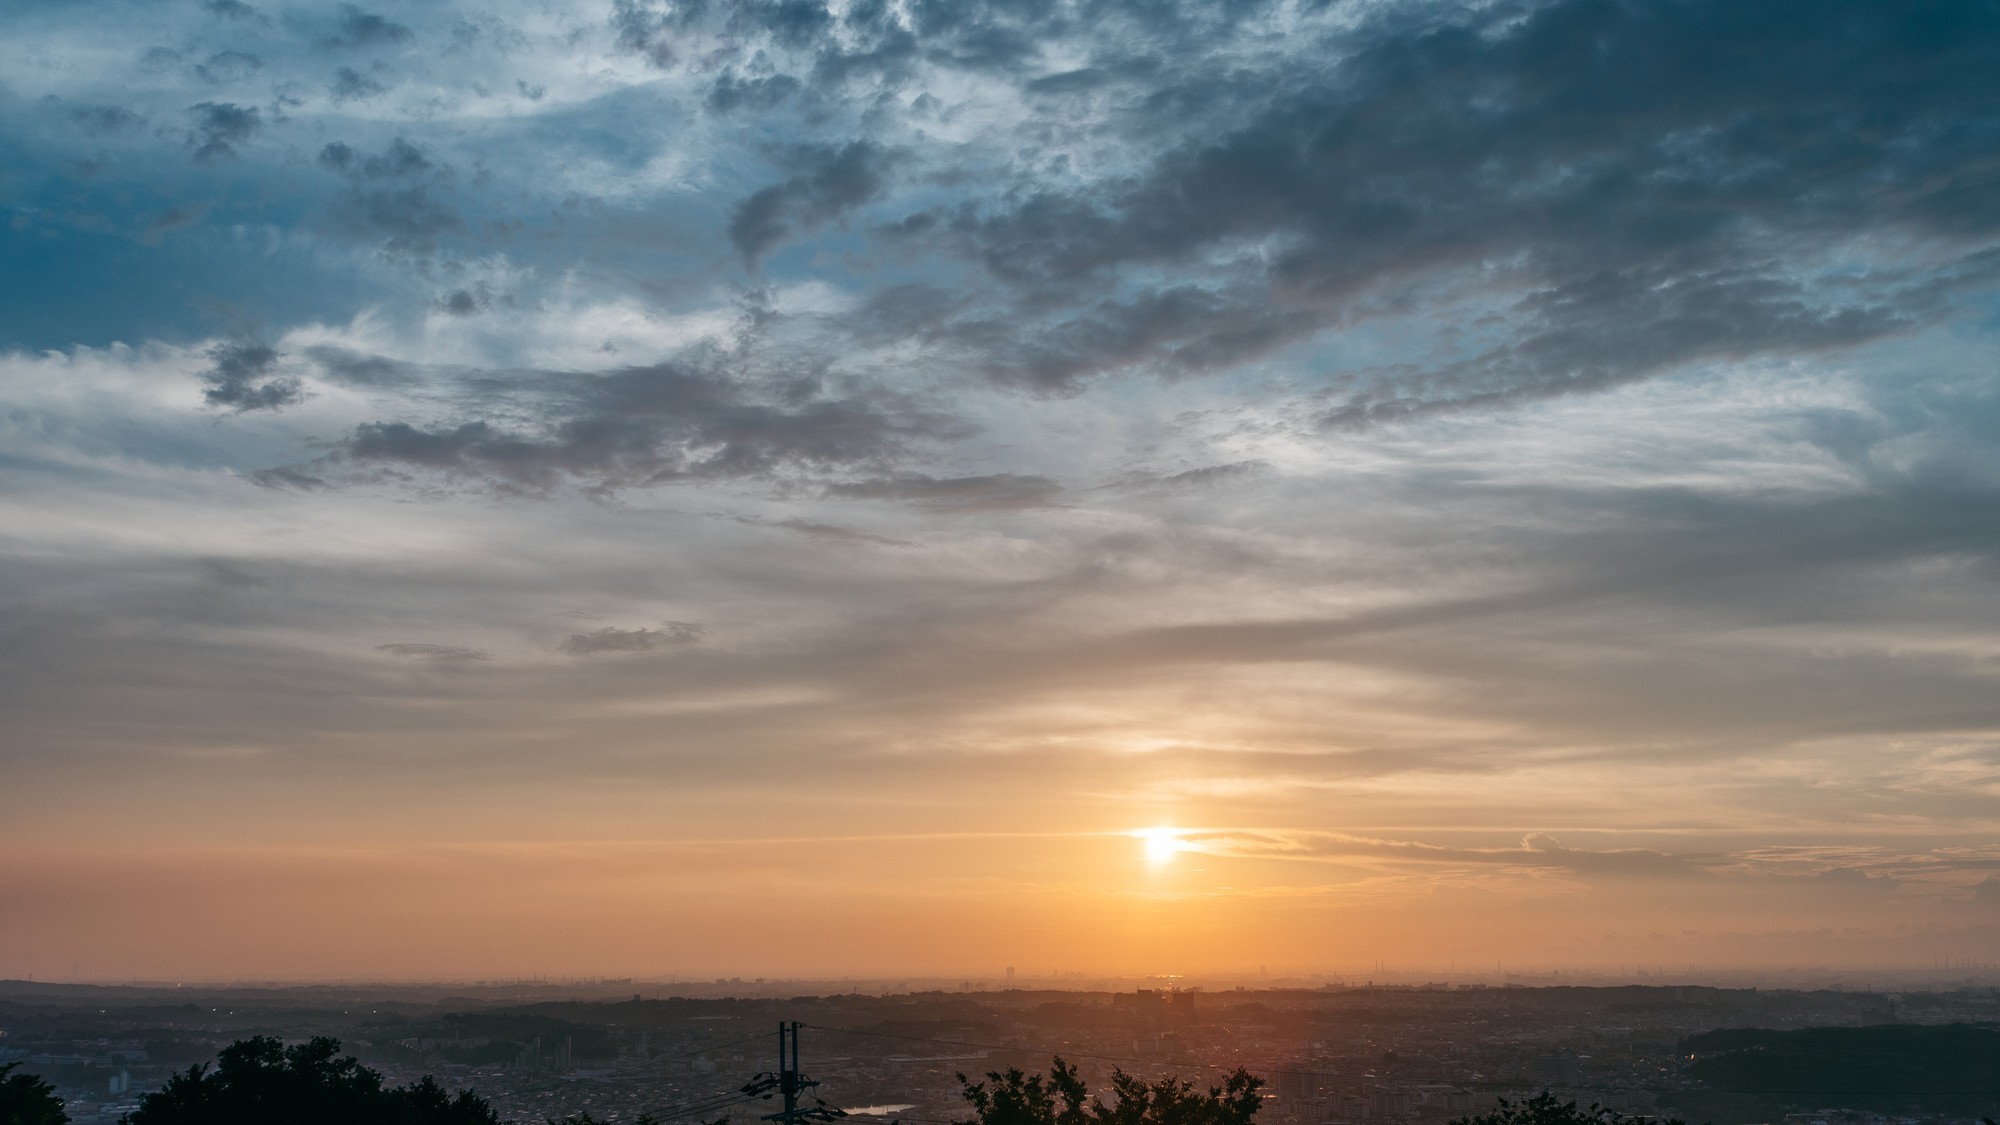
pixel 788 1082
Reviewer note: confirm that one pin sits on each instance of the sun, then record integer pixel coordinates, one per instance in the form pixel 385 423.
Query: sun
pixel 1162 844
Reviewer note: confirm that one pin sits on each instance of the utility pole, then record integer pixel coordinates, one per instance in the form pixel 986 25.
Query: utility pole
pixel 788 1083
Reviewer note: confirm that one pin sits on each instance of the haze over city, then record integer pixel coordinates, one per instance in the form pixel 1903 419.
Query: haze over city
pixel 902 489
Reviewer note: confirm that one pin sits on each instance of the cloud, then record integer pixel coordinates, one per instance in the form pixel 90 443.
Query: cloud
pixel 344 365
pixel 1603 330
pixel 1562 417
pixel 393 194
pixel 827 532
pixel 684 420
pixel 365 29
pixel 993 492
pixel 229 66
pixel 829 184
pixel 350 84
pixel 103 120
pixel 434 654
pixel 243 377
pixel 1656 202
pixel 615 640
pixel 731 93
pixel 1208 475
pixel 1536 851
pixel 287 478
pixel 220 127
pixel 642 28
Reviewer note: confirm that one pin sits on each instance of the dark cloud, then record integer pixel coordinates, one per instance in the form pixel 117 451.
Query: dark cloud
pixel 1193 479
pixel 645 28
pixel 434 654
pixel 220 126
pixel 230 9
pixel 394 195
pixel 1185 329
pixel 683 420
pixel 358 28
pixel 993 492
pixel 340 365
pixel 337 156
pixel 832 533
pixel 829 184
pixel 768 92
pixel 792 23
pixel 244 377
pixel 1658 178
pixel 614 640
pixel 1608 329
pixel 350 84
pixel 102 120
pixel 878 41
pixel 401 159
pixel 465 302
pixel 287 479
pixel 229 66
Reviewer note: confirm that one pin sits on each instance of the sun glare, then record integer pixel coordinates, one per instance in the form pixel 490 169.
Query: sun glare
pixel 1162 844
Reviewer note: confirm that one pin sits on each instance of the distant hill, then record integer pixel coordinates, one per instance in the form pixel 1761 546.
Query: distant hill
pixel 1949 1068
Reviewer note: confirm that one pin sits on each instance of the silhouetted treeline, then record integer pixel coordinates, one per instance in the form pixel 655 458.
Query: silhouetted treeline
pixel 1012 1098
pixel 27 1100
pixel 259 1080
pixel 1547 1109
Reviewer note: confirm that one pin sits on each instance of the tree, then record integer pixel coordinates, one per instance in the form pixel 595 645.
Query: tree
pixel 27 1100
pixel 260 1080
pixel 1546 1109
pixel 1014 1098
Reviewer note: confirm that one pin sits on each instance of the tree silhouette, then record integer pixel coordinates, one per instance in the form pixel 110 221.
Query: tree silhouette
pixel 1547 1109
pixel 260 1080
pixel 1014 1098
pixel 27 1100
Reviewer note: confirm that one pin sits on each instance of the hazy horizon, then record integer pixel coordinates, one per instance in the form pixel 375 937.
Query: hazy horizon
pixel 897 488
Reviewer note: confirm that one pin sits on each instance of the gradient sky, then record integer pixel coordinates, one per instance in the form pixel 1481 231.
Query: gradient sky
pixel 779 488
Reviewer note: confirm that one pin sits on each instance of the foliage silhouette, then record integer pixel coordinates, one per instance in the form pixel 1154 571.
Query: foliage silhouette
pixel 259 1080
pixel 1014 1098
pixel 27 1100
pixel 1547 1109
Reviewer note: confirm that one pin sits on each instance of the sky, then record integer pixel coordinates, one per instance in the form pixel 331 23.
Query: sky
pixel 787 487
